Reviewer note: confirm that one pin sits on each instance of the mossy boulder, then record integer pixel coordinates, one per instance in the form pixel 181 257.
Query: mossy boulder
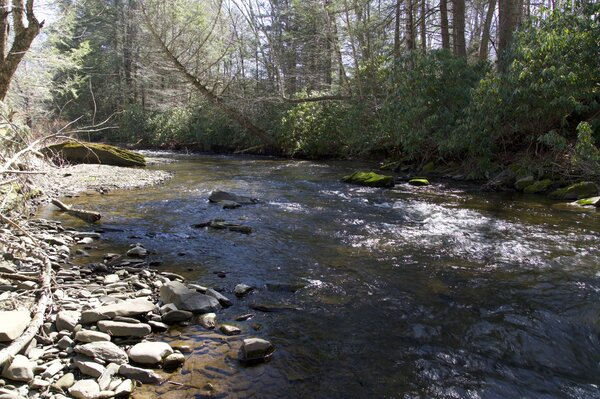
pixel 524 182
pixel 370 179
pixel 584 189
pixel 428 167
pixel 592 201
pixel 95 153
pixel 418 181
pixel 538 187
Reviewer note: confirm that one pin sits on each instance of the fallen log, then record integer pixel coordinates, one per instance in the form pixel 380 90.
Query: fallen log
pixel 44 300
pixel 88 216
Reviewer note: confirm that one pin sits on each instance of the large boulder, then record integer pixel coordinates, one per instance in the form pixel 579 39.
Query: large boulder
pixel 131 307
pixel 370 179
pixel 538 187
pixel 95 153
pixel 13 323
pixel 188 299
pixel 225 198
pixel 584 189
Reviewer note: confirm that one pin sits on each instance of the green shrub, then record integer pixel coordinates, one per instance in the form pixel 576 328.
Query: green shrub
pixel 428 94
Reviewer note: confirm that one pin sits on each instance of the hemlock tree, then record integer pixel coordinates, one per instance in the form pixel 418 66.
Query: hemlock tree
pixel 22 36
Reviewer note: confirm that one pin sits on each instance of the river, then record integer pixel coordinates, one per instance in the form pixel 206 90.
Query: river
pixel 441 291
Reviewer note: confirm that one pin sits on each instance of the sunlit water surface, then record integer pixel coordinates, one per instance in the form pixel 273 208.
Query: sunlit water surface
pixel 442 292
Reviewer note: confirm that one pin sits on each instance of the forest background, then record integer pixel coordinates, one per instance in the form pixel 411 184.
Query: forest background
pixel 480 85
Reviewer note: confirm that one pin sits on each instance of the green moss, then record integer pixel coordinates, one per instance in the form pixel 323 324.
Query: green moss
pixel 584 189
pixel 96 153
pixel 428 167
pixel 592 201
pixel 390 165
pixel 370 179
pixel 538 187
pixel 524 182
pixel 418 181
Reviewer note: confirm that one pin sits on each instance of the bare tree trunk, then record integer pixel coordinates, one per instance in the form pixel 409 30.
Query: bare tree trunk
pixel 444 24
pixel 234 114
pixel 508 19
pixel 397 29
pixel 485 36
pixel 23 37
pixel 423 24
pixel 458 27
pixel 410 26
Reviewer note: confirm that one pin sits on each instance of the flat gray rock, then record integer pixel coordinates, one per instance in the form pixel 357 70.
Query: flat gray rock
pixel 142 375
pixel 223 300
pixel 176 316
pixel 130 307
pixel 188 299
pixel 88 366
pixel 123 329
pixel 103 350
pixel 149 353
pixel 13 323
pixel 87 336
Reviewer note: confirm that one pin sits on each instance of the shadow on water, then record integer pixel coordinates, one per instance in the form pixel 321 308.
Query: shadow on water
pixel 441 291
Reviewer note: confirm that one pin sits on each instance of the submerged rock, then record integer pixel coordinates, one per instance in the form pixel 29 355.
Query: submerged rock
pixel 524 182
pixel 242 289
pixel 221 196
pixel 220 224
pixel 255 350
pixel 142 375
pixel 173 361
pixel 418 181
pixel 538 187
pixel 95 153
pixel 370 179
pixel 208 320
pixel 576 191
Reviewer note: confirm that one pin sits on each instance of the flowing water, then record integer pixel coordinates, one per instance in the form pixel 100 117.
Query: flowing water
pixel 442 291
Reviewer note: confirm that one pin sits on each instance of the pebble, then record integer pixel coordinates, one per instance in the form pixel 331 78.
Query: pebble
pixel 241 290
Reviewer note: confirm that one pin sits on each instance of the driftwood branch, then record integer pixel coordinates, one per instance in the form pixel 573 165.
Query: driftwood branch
pixel 88 216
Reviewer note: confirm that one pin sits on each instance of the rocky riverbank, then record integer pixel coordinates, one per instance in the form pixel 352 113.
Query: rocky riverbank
pixel 101 332
pixel 101 337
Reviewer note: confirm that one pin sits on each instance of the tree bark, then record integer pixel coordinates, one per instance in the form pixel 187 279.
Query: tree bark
pixel 485 35
pixel 458 27
pixel 444 24
pixel 423 24
pixel 508 20
pixel 410 26
pixel 397 29
pixel 23 37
